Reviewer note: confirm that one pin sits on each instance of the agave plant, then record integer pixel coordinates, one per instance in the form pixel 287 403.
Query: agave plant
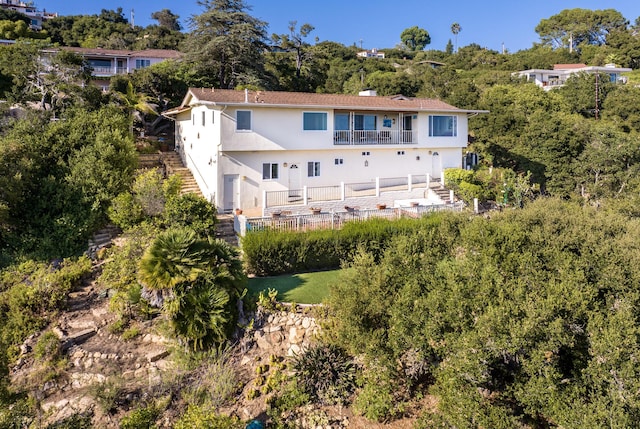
pixel 326 373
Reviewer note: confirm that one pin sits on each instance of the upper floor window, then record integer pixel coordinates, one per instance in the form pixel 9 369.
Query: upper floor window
pixel 443 126
pixel 243 120
pixel 140 64
pixel 314 121
pixel 203 117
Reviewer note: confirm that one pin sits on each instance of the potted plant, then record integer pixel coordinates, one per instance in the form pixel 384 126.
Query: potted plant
pixel 315 210
pixel 414 204
pixel 238 212
pixel 275 214
pixel 381 206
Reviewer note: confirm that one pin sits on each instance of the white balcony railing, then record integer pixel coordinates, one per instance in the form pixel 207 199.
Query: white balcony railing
pixel 374 137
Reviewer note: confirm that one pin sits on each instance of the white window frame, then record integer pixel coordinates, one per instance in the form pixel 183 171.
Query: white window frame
pixel 326 120
pixel 244 130
pixel 313 169
pixel 453 129
pixel 272 166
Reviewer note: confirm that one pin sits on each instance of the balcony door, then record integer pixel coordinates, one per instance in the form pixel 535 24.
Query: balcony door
pixel 407 128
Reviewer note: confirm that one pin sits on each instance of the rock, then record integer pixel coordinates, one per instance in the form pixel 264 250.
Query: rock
pixel 97 355
pixel 295 336
pixel 128 375
pixel 88 363
pixel 164 365
pixel 276 337
pixel 25 348
pixel 157 355
pixel 294 350
pixel 262 342
pixel 306 323
pixel 82 324
pixel 59 332
pixel 245 360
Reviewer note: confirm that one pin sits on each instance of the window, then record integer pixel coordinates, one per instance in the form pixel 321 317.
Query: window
pixel 243 120
pixel 364 122
pixel 269 171
pixel 314 121
pixel 140 64
pixel 203 116
pixel 341 122
pixel 339 161
pixel 193 119
pixel 213 117
pixel 313 169
pixel 443 126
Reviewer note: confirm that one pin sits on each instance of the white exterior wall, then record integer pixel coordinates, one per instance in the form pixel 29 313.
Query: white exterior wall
pixel 277 136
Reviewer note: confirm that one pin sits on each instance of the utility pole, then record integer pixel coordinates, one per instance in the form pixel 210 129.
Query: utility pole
pixel 132 19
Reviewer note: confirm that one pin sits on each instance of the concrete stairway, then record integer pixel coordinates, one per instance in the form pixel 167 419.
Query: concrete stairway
pixel 101 239
pixel 173 165
pixel 224 229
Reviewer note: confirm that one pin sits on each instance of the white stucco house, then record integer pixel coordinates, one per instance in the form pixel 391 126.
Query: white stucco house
pixel 241 145
pixel 549 79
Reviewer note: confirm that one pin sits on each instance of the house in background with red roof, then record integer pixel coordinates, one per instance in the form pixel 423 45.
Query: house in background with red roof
pixel 106 63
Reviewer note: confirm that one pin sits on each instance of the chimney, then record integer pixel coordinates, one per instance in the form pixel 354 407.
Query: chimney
pixel 368 93
pixel 246 95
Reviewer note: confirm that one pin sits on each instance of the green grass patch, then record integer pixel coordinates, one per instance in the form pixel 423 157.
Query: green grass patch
pixel 305 288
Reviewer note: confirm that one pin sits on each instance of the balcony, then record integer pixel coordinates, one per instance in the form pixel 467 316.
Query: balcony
pixel 373 137
pixel 108 70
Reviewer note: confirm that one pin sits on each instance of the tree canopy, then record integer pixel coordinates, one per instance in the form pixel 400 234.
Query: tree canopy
pixel 415 38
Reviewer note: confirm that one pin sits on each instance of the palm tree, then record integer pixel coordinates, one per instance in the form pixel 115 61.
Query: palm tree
pixel 198 282
pixel 455 29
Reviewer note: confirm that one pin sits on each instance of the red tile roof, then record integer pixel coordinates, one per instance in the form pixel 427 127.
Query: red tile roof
pixel 305 99
pixel 146 53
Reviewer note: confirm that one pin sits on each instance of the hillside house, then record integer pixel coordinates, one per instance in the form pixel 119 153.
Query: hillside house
pixel 244 145
pixel 373 53
pixel 106 63
pixel 27 8
pixel 549 79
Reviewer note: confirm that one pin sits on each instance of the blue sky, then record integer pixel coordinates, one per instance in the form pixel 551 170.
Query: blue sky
pixel 378 23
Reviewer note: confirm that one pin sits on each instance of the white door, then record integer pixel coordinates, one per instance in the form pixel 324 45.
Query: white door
pixel 231 198
pixel 295 187
pixel 436 166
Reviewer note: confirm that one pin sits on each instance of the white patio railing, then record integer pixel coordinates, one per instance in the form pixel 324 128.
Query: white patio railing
pixel 375 187
pixel 335 220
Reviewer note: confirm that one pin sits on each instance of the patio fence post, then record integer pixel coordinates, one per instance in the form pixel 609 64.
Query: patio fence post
pixel 305 196
pixel 342 191
pixel 475 206
pixel 377 186
pixel 264 200
pixel 409 183
pixel 428 180
pixel 442 178
pixel 451 196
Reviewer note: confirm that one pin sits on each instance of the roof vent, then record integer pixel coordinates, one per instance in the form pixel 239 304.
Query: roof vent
pixel 368 93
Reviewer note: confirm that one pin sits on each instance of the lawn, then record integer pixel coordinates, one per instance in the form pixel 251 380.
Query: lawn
pixel 306 288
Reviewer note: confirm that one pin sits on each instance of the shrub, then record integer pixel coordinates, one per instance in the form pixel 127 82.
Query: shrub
pixel 193 211
pixel 125 211
pixel 148 192
pixel 48 347
pixel 377 400
pixel 141 418
pixel 202 417
pixel 325 373
pixel 270 252
pixel 215 381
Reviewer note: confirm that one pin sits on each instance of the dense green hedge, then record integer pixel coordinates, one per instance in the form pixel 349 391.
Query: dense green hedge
pixel 270 252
